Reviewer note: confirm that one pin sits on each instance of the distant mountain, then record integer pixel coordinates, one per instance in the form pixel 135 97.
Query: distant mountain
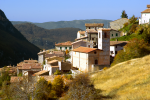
pixel 44 38
pixel 14 47
pixel 63 24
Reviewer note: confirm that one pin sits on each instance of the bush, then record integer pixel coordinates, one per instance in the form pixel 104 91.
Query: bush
pixel 68 77
pixel 105 68
pixel 81 88
pixel 58 86
pixel 57 72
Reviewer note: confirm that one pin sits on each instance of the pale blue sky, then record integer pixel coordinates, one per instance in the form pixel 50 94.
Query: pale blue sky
pixel 67 10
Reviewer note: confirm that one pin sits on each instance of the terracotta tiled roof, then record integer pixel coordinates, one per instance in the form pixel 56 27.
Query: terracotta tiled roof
pixel 16 79
pixel 91 31
pixel 84 49
pixel 31 66
pixel 55 66
pixel 53 61
pixel 68 43
pixel 81 32
pixel 146 11
pixel 41 72
pixel 121 43
pixel 82 37
pixel 51 55
pixel 94 24
pixel 30 61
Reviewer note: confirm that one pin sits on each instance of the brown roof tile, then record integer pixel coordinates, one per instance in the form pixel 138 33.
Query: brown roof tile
pixel 16 79
pixel 68 43
pixel 53 61
pixel 146 11
pixel 84 49
pixel 94 24
pixel 41 72
pixel 55 66
pixel 31 66
pixel 121 43
pixel 81 32
pixel 91 31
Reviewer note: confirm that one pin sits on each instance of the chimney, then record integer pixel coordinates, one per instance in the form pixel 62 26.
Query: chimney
pixel 148 6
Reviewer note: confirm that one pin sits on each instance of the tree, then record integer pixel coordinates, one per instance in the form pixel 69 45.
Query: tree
pixel 124 15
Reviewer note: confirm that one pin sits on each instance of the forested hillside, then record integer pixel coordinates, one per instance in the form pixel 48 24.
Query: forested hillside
pixel 14 47
pixel 63 24
pixel 45 38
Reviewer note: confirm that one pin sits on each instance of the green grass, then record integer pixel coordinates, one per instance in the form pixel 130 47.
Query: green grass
pixel 127 37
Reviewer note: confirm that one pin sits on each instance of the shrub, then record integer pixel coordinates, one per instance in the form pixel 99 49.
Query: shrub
pixel 81 88
pixel 68 77
pixel 58 85
pixel 105 68
pixel 57 72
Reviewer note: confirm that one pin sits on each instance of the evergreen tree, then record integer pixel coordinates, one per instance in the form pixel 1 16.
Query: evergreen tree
pixel 124 15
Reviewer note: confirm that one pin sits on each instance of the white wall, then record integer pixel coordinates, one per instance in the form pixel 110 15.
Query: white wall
pixel 112 48
pixel 63 47
pixel 80 60
pixel 145 18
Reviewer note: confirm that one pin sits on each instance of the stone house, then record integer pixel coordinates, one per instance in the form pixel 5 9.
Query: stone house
pixel 86 58
pixel 54 65
pixel 63 46
pixel 118 24
pixel 82 43
pixel 80 34
pixel 42 55
pixel 145 16
pixel 114 33
pixel 116 46
pixel 28 67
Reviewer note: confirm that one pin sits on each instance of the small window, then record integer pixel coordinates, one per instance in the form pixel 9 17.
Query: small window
pixel 70 48
pixel 60 48
pixel 89 27
pixel 112 35
pixel 99 35
pixel 116 34
pixel 65 47
pixel 94 52
pixel 105 35
pixel 116 46
pixel 92 38
pixel 89 46
pixel 115 52
pixel 111 52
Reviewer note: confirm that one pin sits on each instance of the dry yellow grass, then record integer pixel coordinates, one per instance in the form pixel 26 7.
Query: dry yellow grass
pixel 129 80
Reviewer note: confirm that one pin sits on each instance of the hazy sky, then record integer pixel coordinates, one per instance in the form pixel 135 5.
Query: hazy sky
pixel 67 10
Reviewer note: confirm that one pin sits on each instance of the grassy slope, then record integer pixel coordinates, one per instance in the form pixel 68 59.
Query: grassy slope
pixel 129 80
pixel 127 37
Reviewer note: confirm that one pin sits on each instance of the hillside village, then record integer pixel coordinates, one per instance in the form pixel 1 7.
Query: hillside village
pixel 91 51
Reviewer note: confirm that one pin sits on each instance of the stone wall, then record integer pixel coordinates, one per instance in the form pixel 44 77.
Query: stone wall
pixel 117 24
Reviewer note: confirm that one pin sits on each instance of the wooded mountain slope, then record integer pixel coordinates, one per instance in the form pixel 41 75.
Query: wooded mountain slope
pixel 129 80
pixel 44 38
pixel 63 24
pixel 14 47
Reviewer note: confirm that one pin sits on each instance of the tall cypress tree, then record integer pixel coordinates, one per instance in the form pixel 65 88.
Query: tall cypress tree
pixel 124 15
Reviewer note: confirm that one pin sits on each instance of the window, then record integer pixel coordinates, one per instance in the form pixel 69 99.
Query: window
pixel 94 52
pixel 60 48
pixel 92 38
pixel 112 35
pixel 70 48
pixel 89 46
pixel 105 35
pixel 116 34
pixel 115 52
pixel 96 62
pixel 89 27
pixel 65 47
pixel 99 35
pixel 111 52
pixel 116 46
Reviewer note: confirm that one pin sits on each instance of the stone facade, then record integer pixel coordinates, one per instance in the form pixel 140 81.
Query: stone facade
pixel 115 34
pixel 118 24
